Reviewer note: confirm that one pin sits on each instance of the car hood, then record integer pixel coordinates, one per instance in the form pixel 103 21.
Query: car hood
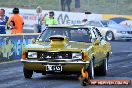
pixel 119 27
pixel 79 45
pixel 47 46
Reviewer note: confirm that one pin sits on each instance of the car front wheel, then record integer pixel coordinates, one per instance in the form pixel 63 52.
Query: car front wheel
pixel 27 73
pixel 91 69
pixel 102 69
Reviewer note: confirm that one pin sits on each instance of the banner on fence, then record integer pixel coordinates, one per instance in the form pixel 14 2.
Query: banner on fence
pixel 11 45
pixel 30 17
pixel 120 19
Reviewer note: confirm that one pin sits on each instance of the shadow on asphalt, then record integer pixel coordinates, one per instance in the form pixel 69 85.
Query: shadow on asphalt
pixel 59 77
pixel 62 77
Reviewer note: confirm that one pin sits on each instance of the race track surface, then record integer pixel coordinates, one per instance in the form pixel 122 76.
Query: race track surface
pixel 120 67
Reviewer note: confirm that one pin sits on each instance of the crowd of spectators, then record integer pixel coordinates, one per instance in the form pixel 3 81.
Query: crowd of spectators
pixel 15 22
pixel 67 3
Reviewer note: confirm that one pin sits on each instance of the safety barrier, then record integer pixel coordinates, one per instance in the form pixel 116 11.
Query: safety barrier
pixel 11 45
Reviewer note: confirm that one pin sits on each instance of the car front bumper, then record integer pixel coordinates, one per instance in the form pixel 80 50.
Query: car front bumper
pixel 70 66
pixel 119 36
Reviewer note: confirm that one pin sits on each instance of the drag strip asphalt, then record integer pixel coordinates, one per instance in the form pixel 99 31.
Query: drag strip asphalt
pixel 120 67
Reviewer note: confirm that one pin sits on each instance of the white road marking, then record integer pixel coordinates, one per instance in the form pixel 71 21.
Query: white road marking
pixel 126 72
pixel 129 55
pixel 127 65
pixel 9 61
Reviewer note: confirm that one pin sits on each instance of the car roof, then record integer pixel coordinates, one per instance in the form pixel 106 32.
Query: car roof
pixel 70 26
pixel 101 20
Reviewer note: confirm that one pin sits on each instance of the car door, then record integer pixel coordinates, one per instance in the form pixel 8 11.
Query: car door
pixel 103 44
pixel 99 48
pixel 96 47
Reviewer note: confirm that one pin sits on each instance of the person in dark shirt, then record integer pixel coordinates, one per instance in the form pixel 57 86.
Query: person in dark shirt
pixel 65 3
pixel 77 4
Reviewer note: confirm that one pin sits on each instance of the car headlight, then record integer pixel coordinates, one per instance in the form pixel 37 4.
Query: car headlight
pixel 76 55
pixel 32 54
pixel 122 32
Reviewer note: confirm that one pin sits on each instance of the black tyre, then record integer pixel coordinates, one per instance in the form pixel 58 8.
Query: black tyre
pixel 27 73
pixel 109 36
pixel 102 69
pixel 84 81
pixel 91 69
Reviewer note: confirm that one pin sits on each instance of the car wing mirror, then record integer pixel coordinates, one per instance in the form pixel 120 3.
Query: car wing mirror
pixel 97 42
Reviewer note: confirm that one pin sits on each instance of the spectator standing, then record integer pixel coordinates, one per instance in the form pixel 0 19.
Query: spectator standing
pixel 68 3
pixel 65 3
pixel 39 17
pixel 77 5
pixel 43 22
pixel 50 20
pixel 62 5
pixel 3 21
pixel 16 22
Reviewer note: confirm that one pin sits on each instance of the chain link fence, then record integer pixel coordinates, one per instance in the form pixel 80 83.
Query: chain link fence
pixel 123 7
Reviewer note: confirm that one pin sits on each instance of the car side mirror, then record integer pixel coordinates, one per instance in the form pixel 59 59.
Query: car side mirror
pixel 97 42
pixel 33 40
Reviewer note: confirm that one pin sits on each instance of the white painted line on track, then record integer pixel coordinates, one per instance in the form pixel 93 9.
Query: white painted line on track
pixel 129 55
pixel 127 65
pixel 9 61
pixel 126 72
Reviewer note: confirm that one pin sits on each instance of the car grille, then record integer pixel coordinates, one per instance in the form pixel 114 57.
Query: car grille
pixel 54 55
pixel 129 32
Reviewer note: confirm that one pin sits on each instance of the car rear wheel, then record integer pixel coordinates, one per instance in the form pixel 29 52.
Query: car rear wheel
pixel 102 69
pixel 91 69
pixel 109 36
pixel 27 73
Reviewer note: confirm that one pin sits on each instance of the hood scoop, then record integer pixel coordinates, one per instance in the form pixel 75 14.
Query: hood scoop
pixel 58 41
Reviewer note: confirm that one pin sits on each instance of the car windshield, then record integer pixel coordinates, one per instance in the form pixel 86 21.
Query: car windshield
pixel 94 23
pixel 107 22
pixel 73 34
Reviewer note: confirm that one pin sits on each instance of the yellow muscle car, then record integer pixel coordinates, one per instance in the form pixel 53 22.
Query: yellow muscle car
pixel 67 50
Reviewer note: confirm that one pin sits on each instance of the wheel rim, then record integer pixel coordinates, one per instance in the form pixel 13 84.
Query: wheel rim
pixel 109 36
pixel 106 62
pixel 92 69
